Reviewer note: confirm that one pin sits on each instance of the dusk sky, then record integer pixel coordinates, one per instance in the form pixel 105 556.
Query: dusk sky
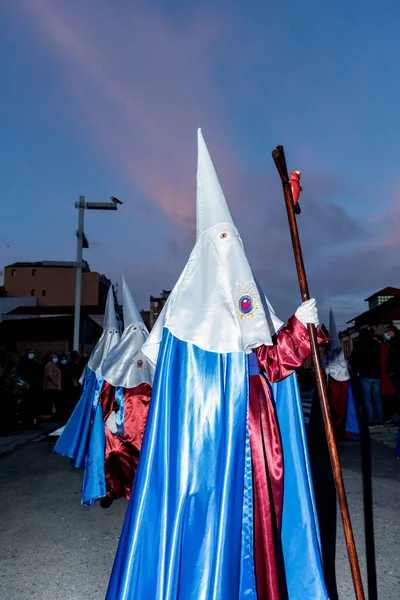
pixel 103 97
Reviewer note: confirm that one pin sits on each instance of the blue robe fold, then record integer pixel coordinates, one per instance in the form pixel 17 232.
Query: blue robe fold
pixel 73 442
pixel 94 478
pixel 83 440
pixel 352 420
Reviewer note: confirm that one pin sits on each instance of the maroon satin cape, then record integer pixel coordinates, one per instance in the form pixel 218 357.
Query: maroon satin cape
pixel 291 347
pixel 338 400
pixel 122 451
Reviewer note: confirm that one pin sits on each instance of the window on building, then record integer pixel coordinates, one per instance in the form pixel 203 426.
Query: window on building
pixel 13 272
pixel 32 292
pixel 155 304
pixel 43 292
pixel 33 272
pixel 382 299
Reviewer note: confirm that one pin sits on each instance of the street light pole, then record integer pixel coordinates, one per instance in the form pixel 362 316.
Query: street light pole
pixel 78 285
pixel 83 243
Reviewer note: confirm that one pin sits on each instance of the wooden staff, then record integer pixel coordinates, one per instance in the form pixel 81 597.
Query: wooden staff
pixel 280 162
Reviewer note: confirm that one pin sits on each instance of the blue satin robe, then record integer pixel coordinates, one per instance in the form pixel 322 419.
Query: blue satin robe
pixel 73 442
pixel 351 420
pixel 83 440
pixel 188 532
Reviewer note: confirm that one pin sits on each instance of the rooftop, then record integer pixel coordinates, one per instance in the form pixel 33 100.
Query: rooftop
pixel 389 310
pixel 56 310
pixel 49 263
pixel 387 291
pixel 164 295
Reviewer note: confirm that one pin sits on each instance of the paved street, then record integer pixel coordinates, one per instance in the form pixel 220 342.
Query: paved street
pixel 386 490
pixel 50 547
pixel 53 549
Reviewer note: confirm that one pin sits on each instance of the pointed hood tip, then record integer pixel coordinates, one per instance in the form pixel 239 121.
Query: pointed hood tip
pixel 110 318
pixel 131 312
pixel 333 332
pixel 211 205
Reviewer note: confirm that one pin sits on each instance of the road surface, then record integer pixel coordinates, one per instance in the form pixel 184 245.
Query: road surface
pixel 53 549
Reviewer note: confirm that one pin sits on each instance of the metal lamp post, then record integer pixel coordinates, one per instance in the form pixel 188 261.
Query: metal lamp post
pixel 81 244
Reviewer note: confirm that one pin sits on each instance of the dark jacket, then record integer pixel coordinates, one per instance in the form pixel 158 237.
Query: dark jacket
pixel 30 371
pixel 365 360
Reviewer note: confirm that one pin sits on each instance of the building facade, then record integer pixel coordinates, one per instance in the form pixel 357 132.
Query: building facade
pixel 383 310
pixel 156 306
pixel 49 329
pixel 53 283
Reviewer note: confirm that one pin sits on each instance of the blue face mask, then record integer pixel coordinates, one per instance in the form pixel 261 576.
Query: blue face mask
pixel 31 356
pixel 387 336
pixel 63 362
pixel 55 360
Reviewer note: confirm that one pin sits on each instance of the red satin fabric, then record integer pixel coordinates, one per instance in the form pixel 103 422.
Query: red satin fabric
pixel 122 451
pixel 267 460
pixel 106 399
pixel 291 348
pixel 338 394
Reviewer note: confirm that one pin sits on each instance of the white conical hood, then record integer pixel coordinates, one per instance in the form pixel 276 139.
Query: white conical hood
pixel 110 322
pixel 109 337
pixel 126 366
pixel 211 206
pixel 333 334
pixel 216 303
pixel 132 314
pixel 336 365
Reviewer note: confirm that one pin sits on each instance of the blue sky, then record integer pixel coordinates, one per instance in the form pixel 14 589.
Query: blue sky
pixel 104 97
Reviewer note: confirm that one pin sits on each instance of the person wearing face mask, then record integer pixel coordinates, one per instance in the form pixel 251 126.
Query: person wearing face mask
pixel 29 370
pixel 52 385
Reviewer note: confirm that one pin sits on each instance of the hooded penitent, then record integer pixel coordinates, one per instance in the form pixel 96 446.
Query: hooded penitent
pixel 207 517
pixel 343 408
pixel 74 440
pixel 128 376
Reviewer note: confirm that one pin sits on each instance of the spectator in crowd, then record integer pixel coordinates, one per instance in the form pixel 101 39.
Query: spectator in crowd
pixel 66 387
pixel 365 362
pixel 51 384
pixel 29 370
pixel 393 362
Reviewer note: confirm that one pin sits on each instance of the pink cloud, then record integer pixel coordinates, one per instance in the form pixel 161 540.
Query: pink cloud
pixel 385 225
pixel 144 84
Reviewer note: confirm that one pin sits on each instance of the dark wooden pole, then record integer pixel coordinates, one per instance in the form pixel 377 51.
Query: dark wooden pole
pixel 280 162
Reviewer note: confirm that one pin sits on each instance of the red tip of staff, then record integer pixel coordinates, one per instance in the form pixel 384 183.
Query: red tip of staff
pixel 295 185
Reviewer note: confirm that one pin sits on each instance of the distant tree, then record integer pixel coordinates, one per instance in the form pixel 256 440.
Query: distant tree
pixel 3 292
